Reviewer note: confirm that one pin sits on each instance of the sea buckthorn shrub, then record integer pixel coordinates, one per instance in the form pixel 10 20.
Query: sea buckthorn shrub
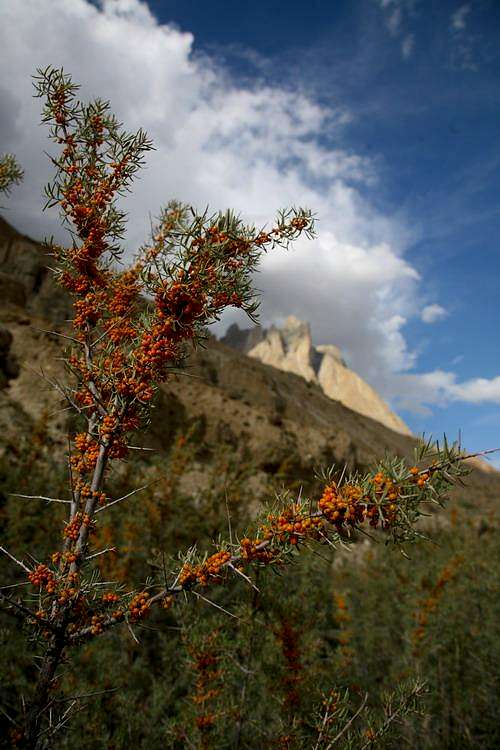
pixel 435 617
pixel 330 606
pixel 130 332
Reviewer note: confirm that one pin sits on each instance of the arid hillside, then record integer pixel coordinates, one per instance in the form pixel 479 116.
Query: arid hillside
pixel 275 421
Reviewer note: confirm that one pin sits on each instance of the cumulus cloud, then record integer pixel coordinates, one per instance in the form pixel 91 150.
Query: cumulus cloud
pixel 478 390
pixel 417 393
pixel 254 148
pixel 432 313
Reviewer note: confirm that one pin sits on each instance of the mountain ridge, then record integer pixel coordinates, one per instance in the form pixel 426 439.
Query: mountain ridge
pixel 290 348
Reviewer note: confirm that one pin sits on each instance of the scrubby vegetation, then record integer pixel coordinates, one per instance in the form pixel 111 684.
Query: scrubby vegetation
pixel 319 638
pixel 157 616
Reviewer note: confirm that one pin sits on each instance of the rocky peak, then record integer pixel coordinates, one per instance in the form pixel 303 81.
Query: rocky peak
pixel 290 348
pixel 294 332
pixel 243 339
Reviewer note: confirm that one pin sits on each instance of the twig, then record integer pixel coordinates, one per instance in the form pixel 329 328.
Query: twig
pixel 15 585
pixel 102 552
pixel 133 634
pixel 27 612
pixel 240 573
pixel 124 497
pixel 323 725
pixel 230 529
pixel 349 723
pixel 21 564
pixel 41 497
pixel 61 335
pixel 242 712
pixel 86 695
pixel 217 606
pixel 246 672
pixel 415 693
pixel 451 461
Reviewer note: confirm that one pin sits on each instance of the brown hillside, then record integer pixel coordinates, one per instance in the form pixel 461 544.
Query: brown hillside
pixel 276 421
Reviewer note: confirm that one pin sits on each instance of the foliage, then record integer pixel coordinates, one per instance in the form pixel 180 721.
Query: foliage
pixel 312 630
pixel 10 173
pixel 436 616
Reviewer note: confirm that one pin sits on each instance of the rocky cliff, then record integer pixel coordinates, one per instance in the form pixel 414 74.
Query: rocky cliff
pixel 290 348
pixel 25 278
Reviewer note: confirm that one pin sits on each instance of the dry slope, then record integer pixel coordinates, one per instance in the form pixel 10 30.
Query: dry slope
pixel 275 421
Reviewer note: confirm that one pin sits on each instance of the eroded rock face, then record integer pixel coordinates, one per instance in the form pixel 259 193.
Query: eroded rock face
pixel 341 383
pixel 25 279
pixel 290 348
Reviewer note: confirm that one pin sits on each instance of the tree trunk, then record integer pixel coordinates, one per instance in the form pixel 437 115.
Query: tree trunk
pixel 41 700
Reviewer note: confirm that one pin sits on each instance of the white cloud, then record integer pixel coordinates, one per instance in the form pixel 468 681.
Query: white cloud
pixel 478 391
pixel 458 20
pixel 417 393
pixel 432 313
pixel 396 15
pixel 465 46
pixel 255 149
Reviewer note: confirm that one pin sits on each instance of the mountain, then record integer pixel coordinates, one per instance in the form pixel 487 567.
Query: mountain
pixel 290 348
pixel 279 426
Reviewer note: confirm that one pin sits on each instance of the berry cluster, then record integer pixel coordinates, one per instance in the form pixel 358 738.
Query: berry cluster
pixel 108 425
pixel 42 576
pixel 110 597
pixel 342 505
pixel 387 493
pixel 351 505
pixel 72 528
pixel 139 606
pixel 65 595
pixel 10 173
pixel 96 624
pixel 85 457
pixel 257 550
pixel 204 573
pixel 294 524
pixel 420 478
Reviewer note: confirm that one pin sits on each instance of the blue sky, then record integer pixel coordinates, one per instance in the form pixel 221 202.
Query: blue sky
pixel 383 114
pixel 430 116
